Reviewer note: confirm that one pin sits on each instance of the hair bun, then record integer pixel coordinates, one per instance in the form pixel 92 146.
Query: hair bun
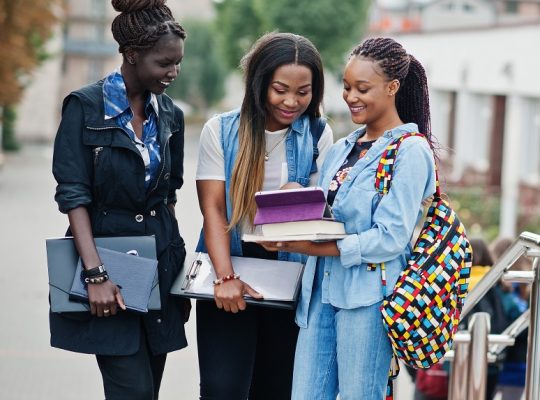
pixel 126 6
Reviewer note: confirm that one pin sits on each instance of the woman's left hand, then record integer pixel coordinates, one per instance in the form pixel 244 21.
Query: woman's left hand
pixel 321 249
pixel 297 246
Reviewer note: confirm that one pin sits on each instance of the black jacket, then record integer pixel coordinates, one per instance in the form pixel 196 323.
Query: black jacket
pixel 96 165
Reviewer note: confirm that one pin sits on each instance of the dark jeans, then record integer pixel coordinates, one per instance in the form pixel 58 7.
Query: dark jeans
pixel 249 354
pixel 134 377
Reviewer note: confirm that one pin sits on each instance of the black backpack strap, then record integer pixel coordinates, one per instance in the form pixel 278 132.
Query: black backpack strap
pixel 316 126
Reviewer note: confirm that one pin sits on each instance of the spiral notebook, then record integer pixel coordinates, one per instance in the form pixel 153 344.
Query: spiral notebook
pixel 277 281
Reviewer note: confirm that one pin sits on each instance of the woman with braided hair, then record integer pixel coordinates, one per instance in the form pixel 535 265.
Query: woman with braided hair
pixel 342 345
pixel 118 161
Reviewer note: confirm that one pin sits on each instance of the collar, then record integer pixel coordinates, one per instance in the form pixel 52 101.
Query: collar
pixel 115 96
pixel 299 124
pixel 393 133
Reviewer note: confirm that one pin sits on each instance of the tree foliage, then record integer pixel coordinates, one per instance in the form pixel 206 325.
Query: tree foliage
pixel 25 25
pixel 333 26
pixel 202 73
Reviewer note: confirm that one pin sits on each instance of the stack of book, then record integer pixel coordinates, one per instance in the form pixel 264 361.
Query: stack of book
pixel 294 214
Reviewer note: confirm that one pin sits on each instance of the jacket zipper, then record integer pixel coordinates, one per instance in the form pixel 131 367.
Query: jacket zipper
pixel 96 151
pixel 162 163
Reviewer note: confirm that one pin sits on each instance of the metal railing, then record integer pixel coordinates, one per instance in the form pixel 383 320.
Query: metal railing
pixel 476 347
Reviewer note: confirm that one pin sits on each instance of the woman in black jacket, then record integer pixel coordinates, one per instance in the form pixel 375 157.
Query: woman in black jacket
pixel 118 160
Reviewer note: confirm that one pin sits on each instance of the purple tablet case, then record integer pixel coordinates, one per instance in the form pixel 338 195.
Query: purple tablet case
pixel 289 205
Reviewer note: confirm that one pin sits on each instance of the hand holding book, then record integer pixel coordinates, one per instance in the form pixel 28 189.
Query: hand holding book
pixel 308 247
pixel 294 215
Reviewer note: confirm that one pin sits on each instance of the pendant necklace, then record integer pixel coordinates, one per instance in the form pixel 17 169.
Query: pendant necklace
pixel 267 153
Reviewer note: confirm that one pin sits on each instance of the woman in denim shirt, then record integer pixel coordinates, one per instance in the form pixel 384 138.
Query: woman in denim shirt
pixel 342 346
pixel 249 352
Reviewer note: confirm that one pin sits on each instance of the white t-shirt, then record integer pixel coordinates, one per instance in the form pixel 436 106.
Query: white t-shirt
pixel 210 165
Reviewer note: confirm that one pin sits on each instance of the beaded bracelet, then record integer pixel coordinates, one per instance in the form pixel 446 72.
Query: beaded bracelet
pixel 225 279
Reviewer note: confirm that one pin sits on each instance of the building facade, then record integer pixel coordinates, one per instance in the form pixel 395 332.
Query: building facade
pixel 485 98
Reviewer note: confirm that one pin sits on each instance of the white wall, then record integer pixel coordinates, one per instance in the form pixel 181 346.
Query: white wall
pixel 478 64
pixel 496 61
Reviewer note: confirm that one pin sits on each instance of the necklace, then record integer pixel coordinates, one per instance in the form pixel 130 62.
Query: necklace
pixel 268 152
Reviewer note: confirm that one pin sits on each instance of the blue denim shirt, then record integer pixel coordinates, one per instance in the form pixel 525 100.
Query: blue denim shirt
pixel 299 154
pixel 379 228
pixel 117 107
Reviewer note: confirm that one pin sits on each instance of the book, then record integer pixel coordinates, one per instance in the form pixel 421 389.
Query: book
pixel 287 205
pixel 278 281
pixel 134 276
pixel 314 237
pixel 317 226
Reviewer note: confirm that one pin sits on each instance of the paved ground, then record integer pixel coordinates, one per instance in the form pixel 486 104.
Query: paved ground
pixel 29 368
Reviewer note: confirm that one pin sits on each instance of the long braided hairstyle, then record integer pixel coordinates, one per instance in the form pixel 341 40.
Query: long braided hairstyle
pixel 412 98
pixel 141 23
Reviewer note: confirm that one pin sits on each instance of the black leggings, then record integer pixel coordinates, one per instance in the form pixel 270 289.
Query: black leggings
pixel 135 377
pixel 249 354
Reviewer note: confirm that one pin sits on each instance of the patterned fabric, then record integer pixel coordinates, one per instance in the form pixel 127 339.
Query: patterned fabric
pixel 422 314
pixel 358 151
pixel 117 108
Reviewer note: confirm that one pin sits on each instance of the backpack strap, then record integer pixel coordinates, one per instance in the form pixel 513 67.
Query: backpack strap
pixel 385 169
pixel 316 126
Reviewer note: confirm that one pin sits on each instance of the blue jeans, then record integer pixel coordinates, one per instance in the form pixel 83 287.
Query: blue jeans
pixel 341 351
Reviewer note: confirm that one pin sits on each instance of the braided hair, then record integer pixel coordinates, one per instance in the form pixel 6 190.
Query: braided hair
pixel 412 98
pixel 141 23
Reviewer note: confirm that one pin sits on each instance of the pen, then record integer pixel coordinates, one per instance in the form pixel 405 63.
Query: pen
pixel 193 271
pixel 187 278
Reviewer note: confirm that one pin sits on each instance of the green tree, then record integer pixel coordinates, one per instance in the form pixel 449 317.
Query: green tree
pixel 25 26
pixel 238 24
pixel 333 26
pixel 202 72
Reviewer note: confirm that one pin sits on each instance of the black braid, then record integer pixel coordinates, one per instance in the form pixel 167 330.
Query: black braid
pixel 412 98
pixel 141 23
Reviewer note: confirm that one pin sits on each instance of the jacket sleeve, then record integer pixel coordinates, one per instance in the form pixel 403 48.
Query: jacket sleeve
pixel 394 219
pixel 72 160
pixel 177 157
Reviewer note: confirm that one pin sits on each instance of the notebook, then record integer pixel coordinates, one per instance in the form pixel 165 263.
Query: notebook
pixel 62 259
pixel 277 281
pixel 133 274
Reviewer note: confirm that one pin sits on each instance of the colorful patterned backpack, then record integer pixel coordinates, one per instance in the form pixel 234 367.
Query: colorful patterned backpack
pixel 422 313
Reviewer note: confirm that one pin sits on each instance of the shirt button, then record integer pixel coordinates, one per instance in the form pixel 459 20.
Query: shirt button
pixel 158 320
pixel 153 213
pixel 139 218
pixel 367 158
pixel 326 273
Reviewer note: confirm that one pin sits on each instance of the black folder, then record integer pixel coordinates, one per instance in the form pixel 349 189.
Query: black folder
pixel 62 259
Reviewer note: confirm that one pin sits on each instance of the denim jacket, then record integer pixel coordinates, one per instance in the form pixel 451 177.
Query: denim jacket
pixel 299 153
pixel 379 228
